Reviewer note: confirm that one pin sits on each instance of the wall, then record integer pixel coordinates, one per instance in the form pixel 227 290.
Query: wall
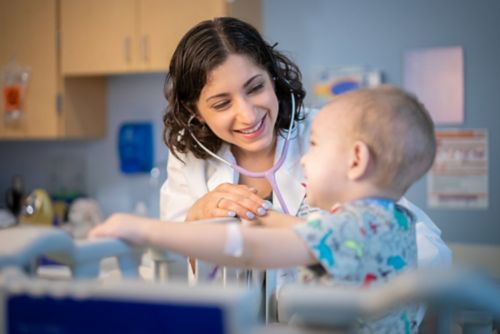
pixel 376 33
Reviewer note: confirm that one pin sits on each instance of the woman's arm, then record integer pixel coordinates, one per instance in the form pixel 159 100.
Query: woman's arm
pixel 261 247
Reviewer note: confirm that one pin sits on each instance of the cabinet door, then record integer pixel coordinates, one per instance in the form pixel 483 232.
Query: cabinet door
pixel 28 33
pixel 98 36
pixel 163 23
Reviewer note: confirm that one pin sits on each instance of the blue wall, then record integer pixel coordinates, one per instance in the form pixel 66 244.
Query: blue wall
pixel 320 33
pixel 315 33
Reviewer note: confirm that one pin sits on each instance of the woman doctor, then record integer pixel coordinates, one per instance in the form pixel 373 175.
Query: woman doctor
pixel 231 100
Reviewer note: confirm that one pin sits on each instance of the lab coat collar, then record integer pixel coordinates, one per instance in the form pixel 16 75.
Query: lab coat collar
pixel 289 177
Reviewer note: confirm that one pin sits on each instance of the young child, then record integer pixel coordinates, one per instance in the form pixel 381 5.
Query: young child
pixel 367 148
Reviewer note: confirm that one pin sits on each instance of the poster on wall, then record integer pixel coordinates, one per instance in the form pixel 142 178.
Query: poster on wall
pixel 436 77
pixel 459 177
pixel 330 82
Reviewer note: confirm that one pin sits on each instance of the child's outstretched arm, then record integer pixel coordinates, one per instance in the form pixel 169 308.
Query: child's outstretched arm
pixel 260 247
pixel 276 219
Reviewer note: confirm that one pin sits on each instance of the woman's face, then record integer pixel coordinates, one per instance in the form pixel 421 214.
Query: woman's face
pixel 239 104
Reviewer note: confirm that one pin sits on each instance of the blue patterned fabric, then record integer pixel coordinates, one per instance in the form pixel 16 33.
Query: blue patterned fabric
pixel 363 243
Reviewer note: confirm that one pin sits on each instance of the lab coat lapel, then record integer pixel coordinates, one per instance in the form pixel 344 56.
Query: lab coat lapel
pixel 218 172
pixel 290 176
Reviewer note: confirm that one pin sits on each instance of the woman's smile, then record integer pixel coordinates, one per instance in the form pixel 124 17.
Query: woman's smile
pixel 254 131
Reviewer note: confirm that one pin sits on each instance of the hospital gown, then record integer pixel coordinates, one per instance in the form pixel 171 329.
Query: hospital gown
pixel 363 243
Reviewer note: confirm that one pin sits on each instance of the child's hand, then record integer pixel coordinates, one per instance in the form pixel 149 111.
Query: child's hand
pixel 123 226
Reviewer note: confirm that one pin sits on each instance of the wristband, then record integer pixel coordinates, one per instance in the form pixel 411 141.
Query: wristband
pixel 234 240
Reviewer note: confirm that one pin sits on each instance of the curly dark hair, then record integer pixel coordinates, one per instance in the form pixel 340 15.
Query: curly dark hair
pixel 203 48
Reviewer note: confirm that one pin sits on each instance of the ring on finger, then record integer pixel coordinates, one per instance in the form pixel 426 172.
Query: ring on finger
pixel 218 202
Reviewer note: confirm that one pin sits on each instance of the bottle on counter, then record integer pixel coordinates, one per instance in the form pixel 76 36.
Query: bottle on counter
pixel 14 196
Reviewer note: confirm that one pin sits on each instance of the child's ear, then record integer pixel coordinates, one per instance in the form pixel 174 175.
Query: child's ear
pixel 359 160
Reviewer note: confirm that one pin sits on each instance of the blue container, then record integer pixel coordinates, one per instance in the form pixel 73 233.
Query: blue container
pixel 135 147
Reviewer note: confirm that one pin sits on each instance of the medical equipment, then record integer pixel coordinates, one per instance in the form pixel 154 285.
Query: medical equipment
pixel 29 304
pixel 458 296
pixel 270 174
pixel 32 305
pixel 23 246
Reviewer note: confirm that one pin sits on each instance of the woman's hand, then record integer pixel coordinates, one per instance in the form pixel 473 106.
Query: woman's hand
pixel 229 200
pixel 130 228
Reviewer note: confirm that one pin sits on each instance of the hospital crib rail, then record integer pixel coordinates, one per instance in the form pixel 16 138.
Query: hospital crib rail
pixel 446 291
pixel 457 296
pixel 23 247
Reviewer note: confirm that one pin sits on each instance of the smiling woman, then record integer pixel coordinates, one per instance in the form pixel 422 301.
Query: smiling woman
pixel 240 107
pixel 230 90
pixel 258 110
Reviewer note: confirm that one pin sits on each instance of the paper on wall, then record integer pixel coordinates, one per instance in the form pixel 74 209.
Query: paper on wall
pixel 459 177
pixel 436 77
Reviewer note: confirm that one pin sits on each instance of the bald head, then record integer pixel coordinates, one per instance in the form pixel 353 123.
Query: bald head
pixel 396 127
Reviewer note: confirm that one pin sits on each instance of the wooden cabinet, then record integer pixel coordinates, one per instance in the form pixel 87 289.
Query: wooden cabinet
pixel 163 23
pixel 126 36
pixel 70 45
pixel 54 107
pixel 98 36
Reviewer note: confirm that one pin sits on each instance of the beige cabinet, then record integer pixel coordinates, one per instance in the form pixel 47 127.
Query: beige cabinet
pixel 126 36
pixel 53 108
pixel 163 23
pixel 98 36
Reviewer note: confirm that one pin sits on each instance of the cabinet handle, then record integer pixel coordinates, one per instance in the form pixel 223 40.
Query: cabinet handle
pixel 126 49
pixel 145 48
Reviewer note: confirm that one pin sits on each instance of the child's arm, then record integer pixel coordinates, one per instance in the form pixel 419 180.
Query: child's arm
pixel 276 219
pixel 262 247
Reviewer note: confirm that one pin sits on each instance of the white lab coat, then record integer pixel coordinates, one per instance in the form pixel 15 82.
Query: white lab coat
pixel 187 182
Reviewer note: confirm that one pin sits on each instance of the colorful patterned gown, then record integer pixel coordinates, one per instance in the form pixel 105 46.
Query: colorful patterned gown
pixel 363 243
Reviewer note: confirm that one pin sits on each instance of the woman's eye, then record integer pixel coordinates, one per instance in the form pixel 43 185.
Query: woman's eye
pixel 256 88
pixel 221 105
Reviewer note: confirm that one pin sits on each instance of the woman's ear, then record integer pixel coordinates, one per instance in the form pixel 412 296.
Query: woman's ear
pixel 200 119
pixel 360 161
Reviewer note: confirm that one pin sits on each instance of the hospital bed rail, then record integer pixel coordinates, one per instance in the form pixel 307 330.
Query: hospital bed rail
pixel 23 247
pixel 457 296
pixel 301 308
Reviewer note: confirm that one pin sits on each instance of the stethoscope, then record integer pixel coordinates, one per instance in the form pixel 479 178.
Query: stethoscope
pixel 269 174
